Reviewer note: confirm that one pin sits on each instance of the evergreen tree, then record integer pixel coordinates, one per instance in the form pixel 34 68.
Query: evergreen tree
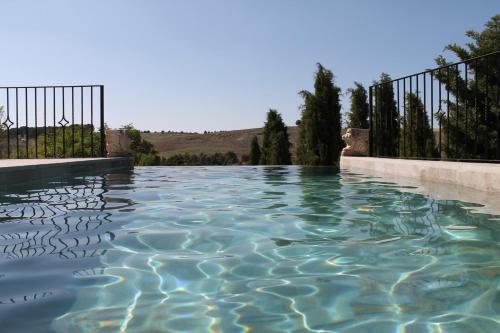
pixel 275 144
pixel 358 115
pixel 59 142
pixel 472 134
pixel 385 118
pixel 143 151
pixel 320 139
pixel 419 141
pixel 254 155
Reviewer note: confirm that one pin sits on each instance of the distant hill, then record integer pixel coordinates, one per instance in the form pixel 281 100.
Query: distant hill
pixel 237 141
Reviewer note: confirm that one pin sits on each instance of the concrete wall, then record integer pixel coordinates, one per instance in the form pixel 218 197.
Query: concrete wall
pixel 477 176
pixel 27 170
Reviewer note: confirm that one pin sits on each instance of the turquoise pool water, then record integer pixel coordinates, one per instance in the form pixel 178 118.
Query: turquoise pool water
pixel 243 249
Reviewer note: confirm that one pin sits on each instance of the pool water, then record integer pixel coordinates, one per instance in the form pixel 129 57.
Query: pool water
pixel 243 249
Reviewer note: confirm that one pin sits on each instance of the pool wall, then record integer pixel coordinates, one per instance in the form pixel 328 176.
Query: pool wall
pixel 477 176
pixel 22 170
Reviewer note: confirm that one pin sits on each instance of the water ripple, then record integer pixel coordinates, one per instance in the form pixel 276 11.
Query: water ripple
pixel 248 249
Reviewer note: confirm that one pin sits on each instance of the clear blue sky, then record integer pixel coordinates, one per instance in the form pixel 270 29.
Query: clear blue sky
pixel 221 64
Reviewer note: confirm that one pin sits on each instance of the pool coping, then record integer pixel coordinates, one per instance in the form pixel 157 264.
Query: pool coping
pixel 477 183
pixel 25 170
pixel 477 176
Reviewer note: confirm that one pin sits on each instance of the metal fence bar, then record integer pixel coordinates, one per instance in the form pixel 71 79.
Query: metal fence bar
pixel 457 106
pixel 498 108
pixel 465 98
pixel 73 121
pixel 92 122
pixel 370 95
pixel 17 122
pixel 404 117
pixel 103 142
pixel 45 120
pixel 8 125
pixel 476 109
pixel 54 121
pixel 399 116
pixel 440 110
pixel 26 119
pixel 36 124
pixel 82 128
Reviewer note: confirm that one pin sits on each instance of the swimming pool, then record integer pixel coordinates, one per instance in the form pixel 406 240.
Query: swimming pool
pixel 243 249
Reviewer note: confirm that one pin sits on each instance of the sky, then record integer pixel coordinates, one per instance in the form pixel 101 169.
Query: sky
pixel 196 65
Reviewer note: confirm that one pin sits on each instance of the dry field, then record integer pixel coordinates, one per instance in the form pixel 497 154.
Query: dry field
pixel 237 141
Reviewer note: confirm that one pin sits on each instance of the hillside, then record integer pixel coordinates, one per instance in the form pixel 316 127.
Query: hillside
pixel 237 141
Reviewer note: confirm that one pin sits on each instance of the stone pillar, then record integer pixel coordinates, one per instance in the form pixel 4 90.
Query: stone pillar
pixel 357 142
pixel 117 143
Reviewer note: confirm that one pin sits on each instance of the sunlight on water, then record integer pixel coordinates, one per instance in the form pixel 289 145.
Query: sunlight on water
pixel 244 249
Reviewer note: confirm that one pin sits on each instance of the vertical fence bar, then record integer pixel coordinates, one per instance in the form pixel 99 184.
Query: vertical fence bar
pixel 417 129
pixel 17 122
pixel 457 100
pixel 378 120
pixel 466 98
pixel 411 116
pixel 447 112
pixel 497 57
pixel 399 120
pixel 424 113
pixel 54 122
pixel 370 93
pixel 487 107
pixel 73 121
pixel 45 120
pixel 390 118
pixel 92 121
pixel 81 104
pixel 103 142
pixel 486 98
pixel 62 122
pixel 440 110
pixel 404 117
pixel 476 78
pixel 26 118
pixel 36 123
pixel 432 106
pixel 9 124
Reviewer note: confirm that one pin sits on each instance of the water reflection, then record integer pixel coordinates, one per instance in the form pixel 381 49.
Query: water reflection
pixel 47 233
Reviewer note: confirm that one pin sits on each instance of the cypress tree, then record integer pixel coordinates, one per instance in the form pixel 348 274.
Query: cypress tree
pixel 254 155
pixel 320 139
pixel 420 140
pixel 275 144
pixel 385 118
pixel 358 114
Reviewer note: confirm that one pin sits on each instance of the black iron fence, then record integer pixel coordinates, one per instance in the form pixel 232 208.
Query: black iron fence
pixel 52 121
pixel 447 113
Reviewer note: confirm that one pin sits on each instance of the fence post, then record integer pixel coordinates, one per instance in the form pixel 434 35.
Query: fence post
pixel 103 140
pixel 371 122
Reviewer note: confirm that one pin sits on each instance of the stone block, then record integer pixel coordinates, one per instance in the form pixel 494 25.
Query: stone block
pixel 357 142
pixel 117 143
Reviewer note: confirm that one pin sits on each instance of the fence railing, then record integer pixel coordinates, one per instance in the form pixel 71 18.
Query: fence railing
pixel 448 113
pixel 52 121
